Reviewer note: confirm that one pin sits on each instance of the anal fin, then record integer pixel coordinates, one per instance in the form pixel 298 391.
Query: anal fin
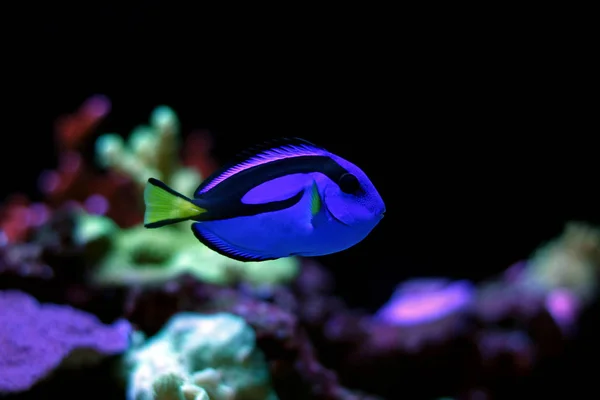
pixel 218 245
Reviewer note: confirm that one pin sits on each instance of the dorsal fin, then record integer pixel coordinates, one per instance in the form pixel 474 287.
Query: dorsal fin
pixel 263 153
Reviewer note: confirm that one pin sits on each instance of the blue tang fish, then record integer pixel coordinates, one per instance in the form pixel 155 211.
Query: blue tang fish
pixel 283 198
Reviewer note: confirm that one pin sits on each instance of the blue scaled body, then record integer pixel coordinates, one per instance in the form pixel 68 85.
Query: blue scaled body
pixel 283 198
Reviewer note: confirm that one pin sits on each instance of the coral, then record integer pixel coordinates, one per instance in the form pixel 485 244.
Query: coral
pixel 94 234
pixel 83 247
pixel 503 305
pixel 141 256
pixel 571 261
pixel 132 255
pixel 424 329
pixel 565 271
pixel 52 266
pixel 464 337
pixel 420 301
pixel 73 180
pixel 76 180
pixel 18 217
pixel 151 151
pixel 459 336
pixel 294 366
pixel 200 357
pixel 36 339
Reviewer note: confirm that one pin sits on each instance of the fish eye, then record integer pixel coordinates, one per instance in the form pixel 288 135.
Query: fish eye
pixel 349 183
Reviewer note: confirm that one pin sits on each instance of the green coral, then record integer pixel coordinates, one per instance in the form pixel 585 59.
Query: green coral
pixel 142 256
pixel 151 151
pixel 199 357
pixel 95 234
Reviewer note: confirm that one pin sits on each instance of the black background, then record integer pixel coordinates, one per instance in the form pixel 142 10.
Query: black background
pixel 479 130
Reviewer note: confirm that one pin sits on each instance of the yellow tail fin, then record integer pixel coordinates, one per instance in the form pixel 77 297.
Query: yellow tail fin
pixel 165 206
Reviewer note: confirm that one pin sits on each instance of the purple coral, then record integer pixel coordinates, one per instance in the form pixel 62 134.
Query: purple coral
pixel 426 300
pixel 35 339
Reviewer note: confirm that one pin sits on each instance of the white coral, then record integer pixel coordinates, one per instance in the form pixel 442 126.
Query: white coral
pixel 198 357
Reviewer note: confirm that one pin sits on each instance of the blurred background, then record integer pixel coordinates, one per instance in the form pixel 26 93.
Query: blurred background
pixel 480 135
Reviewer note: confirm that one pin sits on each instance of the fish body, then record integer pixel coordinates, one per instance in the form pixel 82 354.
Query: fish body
pixel 283 198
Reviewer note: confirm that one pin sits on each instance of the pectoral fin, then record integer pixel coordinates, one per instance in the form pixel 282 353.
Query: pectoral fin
pixel 315 199
pixel 318 209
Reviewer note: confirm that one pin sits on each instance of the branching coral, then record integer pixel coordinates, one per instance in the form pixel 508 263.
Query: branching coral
pixel 200 357
pixel 114 194
pixel 36 339
pixel 135 255
pixel 73 180
pixel 151 151
pixel 70 181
